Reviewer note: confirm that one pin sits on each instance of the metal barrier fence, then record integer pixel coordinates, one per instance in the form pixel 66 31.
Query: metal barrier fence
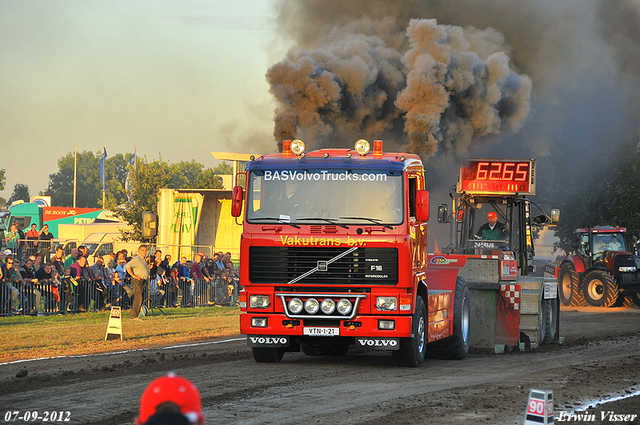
pixel 79 295
pixel 175 292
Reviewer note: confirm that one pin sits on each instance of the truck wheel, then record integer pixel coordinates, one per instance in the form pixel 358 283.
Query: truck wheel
pixel 456 346
pixel 267 355
pixel 412 350
pixel 568 289
pixel 320 349
pixel 549 321
pixel 600 290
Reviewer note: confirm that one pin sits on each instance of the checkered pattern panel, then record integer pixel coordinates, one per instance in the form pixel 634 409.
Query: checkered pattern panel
pixel 512 294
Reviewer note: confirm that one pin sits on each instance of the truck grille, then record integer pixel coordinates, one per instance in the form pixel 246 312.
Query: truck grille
pixel 364 266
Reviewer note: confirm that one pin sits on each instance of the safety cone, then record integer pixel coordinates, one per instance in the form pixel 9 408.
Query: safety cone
pixel 539 408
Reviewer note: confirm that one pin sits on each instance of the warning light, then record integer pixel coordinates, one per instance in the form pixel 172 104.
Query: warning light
pixel 377 147
pixel 286 147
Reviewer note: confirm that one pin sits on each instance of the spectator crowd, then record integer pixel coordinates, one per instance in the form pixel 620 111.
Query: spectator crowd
pixel 36 279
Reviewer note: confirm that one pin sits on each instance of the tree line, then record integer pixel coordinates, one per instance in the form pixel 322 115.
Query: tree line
pixel 127 201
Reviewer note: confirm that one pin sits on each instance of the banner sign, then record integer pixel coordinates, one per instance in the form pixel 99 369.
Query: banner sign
pixel 187 208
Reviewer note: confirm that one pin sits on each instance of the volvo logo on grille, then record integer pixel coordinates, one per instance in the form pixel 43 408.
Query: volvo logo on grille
pixel 323 266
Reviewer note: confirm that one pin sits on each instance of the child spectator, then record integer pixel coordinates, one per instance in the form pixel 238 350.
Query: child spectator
pixel 69 289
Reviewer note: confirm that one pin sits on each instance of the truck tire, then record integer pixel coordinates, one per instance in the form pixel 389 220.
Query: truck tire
pixel 412 350
pixel 549 321
pixel 568 289
pixel 323 349
pixel 635 297
pixel 456 346
pixel 267 355
pixel 600 289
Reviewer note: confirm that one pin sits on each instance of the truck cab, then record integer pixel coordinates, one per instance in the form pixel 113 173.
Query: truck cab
pixel 334 254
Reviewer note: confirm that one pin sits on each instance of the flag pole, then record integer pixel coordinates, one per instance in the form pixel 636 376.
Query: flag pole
pixel 104 174
pixel 75 172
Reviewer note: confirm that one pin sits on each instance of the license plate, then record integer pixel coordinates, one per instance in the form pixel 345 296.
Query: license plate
pixel 317 331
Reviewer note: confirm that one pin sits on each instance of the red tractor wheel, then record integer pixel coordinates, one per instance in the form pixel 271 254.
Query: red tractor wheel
pixel 568 289
pixel 600 289
pixel 623 301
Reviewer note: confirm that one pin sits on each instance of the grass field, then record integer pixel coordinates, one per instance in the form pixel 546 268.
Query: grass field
pixel 27 337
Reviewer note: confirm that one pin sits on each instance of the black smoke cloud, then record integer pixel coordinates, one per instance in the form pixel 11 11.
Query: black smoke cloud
pixel 453 94
pixel 580 57
pixel 442 85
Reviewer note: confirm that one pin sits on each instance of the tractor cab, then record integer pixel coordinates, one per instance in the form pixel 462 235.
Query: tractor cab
pixel 490 212
pixel 486 224
pixel 594 244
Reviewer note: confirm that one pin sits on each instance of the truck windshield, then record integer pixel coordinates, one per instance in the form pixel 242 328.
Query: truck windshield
pixel 333 197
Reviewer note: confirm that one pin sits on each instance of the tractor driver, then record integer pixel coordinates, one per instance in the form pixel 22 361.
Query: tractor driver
pixel 606 243
pixel 492 230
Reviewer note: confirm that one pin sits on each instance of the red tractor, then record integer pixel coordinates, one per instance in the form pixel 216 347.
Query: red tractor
pixel 601 273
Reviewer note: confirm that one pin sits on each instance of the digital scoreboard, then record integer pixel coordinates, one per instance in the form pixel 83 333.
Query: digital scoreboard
pixel 498 176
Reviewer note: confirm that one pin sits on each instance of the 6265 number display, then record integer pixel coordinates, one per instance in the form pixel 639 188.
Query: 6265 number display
pixel 498 176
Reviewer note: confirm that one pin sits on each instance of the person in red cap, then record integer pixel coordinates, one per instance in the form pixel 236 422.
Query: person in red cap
pixel 492 230
pixel 170 400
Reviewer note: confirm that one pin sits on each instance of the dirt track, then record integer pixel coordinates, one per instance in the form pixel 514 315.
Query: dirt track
pixel 600 358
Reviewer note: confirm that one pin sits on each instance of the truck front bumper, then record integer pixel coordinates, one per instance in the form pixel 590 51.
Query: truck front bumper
pixel 376 326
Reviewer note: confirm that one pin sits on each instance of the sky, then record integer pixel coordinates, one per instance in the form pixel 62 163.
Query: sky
pixel 177 79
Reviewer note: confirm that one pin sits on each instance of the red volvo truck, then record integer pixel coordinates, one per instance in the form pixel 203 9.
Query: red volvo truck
pixel 334 254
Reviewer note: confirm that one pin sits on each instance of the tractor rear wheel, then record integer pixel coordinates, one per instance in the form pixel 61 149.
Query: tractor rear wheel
pixel 568 289
pixel 623 301
pixel 600 289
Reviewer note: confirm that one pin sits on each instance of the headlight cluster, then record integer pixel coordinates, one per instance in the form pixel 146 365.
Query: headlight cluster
pixel 259 301
pixel 387 303
pixel 327 306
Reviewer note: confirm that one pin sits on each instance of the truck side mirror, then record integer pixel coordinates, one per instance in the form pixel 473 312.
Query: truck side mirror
pixel 443 213
pixel 541 219
pixel 236 201
pixel 422 206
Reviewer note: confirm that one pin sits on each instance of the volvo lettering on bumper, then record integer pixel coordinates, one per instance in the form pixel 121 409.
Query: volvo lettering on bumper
pixel 379 343
pixel 267 341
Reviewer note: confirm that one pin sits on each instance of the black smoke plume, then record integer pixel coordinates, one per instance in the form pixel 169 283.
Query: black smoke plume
pixel 441 85
pixel 582 58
